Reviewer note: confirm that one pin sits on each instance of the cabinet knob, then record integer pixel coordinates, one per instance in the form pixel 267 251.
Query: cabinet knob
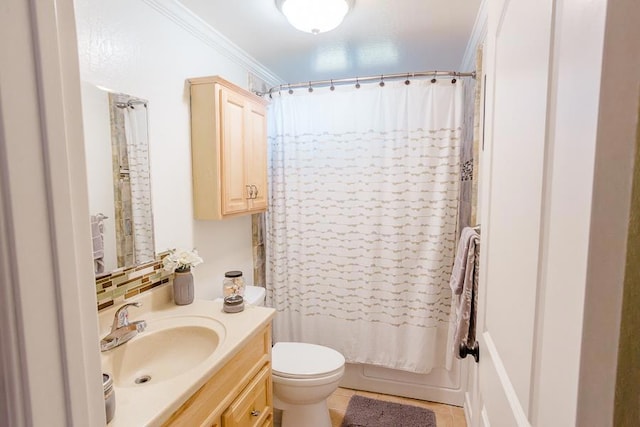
pixel 255 413
pixel 250 191
pixel 255 191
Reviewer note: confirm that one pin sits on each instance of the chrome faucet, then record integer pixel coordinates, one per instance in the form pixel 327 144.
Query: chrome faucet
pixel 122 330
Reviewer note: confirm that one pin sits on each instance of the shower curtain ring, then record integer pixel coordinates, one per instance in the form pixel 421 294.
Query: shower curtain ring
pixel 454 80
pixel 357 84
pixel 310 88
pixel 290 90
pixel 332 87
pixel 433 80
pixel 381 80
pixel 407 82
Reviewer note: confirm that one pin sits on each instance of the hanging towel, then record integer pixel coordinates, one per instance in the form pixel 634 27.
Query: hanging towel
pixel 465 288
pixel 97 238
pixel 465 256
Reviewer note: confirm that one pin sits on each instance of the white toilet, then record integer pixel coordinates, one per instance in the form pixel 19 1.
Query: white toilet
pixel 254 295
pixel 304 375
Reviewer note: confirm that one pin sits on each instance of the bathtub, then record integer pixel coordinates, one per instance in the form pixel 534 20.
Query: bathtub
pixel 439 385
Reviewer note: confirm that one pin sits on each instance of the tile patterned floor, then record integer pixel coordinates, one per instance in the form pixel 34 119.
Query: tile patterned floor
pixel 446 415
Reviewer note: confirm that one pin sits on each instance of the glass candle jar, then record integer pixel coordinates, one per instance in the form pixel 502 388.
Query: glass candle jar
pixel 233 284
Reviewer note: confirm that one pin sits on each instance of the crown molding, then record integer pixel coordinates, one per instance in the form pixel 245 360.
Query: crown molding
pixel 203 31
pixel 478 34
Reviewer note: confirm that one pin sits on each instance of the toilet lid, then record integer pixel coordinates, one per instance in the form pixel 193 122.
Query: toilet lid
pixel 301 360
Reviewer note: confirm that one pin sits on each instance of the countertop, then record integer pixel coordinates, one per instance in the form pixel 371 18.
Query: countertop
pixel 153 403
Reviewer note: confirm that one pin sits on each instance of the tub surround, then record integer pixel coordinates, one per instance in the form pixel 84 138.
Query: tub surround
pixel 470 148
pixel 154 403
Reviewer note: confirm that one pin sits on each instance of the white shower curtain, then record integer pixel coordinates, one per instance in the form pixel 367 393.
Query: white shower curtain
pixel 135 124
pixel 361 225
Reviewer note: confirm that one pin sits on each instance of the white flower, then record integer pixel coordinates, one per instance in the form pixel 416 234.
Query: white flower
pixel 181 259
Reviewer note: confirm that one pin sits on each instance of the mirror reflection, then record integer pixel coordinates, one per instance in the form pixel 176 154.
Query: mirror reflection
pixel 119 179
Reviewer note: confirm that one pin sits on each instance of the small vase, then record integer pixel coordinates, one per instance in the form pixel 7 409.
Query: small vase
pixel 183 287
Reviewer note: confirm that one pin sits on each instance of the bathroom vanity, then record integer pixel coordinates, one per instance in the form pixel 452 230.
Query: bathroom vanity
pixel 194 365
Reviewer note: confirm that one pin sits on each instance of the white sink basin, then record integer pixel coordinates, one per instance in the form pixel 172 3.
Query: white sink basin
pixel 169 347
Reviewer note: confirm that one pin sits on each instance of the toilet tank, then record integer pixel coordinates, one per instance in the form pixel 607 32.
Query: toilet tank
pixel 254 295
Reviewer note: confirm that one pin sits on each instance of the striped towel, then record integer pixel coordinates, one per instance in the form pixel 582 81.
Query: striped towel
pixel 464 284
pixel 463 265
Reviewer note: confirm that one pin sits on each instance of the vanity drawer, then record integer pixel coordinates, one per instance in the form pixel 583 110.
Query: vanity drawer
pixel 252 408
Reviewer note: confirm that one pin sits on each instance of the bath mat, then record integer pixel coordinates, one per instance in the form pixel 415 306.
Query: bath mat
pixel 365 412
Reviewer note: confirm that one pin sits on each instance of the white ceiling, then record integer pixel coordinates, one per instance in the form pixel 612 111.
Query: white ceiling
pixel 376 37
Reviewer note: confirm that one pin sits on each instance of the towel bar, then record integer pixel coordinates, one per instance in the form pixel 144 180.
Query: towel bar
pixel 464 350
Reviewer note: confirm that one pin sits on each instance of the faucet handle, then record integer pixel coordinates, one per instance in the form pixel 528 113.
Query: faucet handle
pixel 121 318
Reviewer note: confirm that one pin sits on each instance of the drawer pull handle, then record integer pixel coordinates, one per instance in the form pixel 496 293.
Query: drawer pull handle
pixel 255 413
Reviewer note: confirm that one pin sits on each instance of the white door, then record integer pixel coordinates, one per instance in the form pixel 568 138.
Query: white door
pixel 560 128
pixel 517 53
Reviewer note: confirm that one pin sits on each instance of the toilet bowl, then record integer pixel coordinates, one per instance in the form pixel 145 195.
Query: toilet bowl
pixel 304 375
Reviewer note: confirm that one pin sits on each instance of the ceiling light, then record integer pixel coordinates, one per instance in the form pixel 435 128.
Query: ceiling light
pixel 315 16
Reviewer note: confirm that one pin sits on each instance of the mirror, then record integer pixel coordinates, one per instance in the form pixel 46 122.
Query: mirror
pixel 119 178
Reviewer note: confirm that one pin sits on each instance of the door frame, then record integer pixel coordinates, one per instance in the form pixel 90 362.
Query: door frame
pixel 51 365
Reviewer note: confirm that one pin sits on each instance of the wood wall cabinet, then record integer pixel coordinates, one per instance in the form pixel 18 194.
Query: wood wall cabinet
pixel 228 149
pixel 238 395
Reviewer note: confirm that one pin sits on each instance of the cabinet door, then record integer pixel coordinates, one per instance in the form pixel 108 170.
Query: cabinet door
pixel 233 114
pixel 256 152
pixel 253 407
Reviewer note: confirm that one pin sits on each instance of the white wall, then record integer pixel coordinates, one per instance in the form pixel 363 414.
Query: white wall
pixel 137 47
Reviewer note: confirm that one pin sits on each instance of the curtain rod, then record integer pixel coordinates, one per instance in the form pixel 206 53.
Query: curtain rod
pixel 357 80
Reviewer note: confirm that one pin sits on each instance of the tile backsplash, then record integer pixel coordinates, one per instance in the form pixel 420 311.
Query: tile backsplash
pixel 118 286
